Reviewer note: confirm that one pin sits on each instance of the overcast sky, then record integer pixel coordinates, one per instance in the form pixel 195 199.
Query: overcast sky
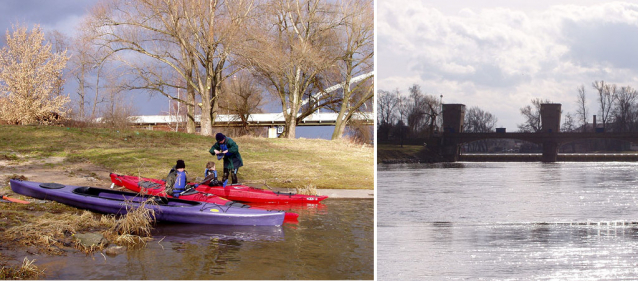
pixel 61 15
pixel 499 55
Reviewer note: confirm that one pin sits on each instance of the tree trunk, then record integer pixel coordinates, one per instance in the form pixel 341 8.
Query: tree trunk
pixel 207 110
pixel 190 114
pixel 340 123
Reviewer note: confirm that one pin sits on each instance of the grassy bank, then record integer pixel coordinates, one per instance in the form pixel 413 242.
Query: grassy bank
pixel 280 162
pixel 391 153
pixel 51 227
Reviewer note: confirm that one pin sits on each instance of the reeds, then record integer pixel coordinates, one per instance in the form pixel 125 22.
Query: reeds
pixel 135 227
pixel 25 271
pixel 137 221
pixel 47 230
pixel 308 189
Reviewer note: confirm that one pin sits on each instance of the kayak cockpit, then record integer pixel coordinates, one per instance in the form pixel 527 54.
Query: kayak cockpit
pixel 131 197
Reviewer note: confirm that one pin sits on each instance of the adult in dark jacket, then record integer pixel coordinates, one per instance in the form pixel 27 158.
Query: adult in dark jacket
pixel 226 148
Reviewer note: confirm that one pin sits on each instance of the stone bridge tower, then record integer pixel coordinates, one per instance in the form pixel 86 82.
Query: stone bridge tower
pixel 453 117
pixel 550 124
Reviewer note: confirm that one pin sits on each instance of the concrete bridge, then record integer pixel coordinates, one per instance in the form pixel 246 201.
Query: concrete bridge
pixel 549 137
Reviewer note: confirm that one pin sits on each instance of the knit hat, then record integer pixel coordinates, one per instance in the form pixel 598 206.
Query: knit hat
pixel 220 137
pixel 180 164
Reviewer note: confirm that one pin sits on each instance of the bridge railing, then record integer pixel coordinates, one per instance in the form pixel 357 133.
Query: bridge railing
pixel 257 119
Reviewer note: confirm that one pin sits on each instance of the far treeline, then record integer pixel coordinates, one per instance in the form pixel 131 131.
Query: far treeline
pixel 418 116
pixel 207 57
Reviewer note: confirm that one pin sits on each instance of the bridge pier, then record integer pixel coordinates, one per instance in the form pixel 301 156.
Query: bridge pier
pixel 550 124
pixel 453 117
pixel 550 151
pixel 450 151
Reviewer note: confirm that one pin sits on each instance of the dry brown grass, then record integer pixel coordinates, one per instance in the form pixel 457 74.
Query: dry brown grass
pixel 47 231
pixel 25 271
pixel 137 221
pixel 135 227
pixel 309 189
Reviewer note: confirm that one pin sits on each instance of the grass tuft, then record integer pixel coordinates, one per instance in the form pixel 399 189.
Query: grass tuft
pixel 134 228
pixel 16 177
pixel 131 240
pixel 137 221
pixel 309 189
pixel 48 231
pixel 25 271
pixel 9 157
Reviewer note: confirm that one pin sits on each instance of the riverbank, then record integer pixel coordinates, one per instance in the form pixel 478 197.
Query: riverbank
pixel 285 163
pixel 395 154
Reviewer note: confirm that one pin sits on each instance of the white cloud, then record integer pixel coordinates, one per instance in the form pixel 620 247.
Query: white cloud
pixel 501 57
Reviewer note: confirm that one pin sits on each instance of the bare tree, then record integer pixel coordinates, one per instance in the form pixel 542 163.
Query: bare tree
pixel 582 111
pixel 194 40
pixel 59 44
pixel 625 109
pixel 532 114
pixel 357 45
pixel 117 108
pixel 606 98
pixel 88 66
pixel 569 125
pixel 31 78
pixel 293 43
pixel 387 103
pixel 422 111
pixel 177 112
pixel 479 121
pixel 241 96
pixel 416 111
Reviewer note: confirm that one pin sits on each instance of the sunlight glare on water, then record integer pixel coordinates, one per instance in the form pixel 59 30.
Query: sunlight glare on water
pixel 508 221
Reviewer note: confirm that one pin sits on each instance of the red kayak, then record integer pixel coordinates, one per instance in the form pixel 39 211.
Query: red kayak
pixel 156 187
pixel 235 192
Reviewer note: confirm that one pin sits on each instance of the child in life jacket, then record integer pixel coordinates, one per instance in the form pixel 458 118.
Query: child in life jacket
pixel 180 179
pixel 210 175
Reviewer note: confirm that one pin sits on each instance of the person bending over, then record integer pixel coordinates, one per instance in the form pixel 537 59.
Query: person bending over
pixel 227 149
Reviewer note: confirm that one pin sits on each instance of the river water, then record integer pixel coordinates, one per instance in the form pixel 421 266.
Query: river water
pixel 517 221
pixel 332 240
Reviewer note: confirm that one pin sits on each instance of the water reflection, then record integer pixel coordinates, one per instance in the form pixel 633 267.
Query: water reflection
pixel 332 240
pixel 193 232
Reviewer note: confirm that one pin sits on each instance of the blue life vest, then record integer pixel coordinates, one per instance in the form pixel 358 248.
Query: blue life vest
pixel 180 183
pixel 208 172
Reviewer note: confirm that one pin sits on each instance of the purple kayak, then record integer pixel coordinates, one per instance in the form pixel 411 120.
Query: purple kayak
pixel 111 201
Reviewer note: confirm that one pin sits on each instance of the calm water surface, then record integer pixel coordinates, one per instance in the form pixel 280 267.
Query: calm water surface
pixel 333 240
pixel 521 221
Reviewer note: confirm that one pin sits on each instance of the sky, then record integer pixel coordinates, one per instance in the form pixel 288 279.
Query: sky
pixel 65 16
pixel 500 54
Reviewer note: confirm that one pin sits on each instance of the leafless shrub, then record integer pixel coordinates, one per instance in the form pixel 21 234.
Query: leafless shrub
pixel 28 94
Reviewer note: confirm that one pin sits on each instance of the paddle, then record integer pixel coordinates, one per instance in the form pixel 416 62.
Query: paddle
pixel 15 200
